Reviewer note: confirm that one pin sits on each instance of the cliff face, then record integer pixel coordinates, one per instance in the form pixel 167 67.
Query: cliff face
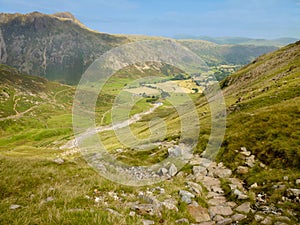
pixel 57 46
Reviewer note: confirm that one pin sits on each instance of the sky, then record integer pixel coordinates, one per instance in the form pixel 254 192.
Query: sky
pixel 245 18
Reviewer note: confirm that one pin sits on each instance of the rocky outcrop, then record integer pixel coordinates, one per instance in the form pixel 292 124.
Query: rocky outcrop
pixel 3 53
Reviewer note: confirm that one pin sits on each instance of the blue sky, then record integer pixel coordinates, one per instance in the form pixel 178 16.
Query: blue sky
pixel 249 18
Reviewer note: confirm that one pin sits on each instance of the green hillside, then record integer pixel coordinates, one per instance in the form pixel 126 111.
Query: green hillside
pixel 255 181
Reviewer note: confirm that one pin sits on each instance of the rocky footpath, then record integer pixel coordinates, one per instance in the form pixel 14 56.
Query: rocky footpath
pixel 210 192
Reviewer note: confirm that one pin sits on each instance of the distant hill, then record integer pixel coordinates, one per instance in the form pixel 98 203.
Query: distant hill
pixel 279 42
pixel 59 47
pixel 215 54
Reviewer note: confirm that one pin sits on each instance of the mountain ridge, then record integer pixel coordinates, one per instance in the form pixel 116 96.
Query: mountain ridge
pixel 61 48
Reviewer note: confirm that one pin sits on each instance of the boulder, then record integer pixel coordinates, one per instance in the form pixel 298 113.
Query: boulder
pixel 186 196
pixel 292 192
pixel 196 188
pixel 225 221
pixel 250 161
pixel 240 195
pixel 174 151
pixel 258 217
pixel 170 204
pixel 244 208
pixel 146 209
pixel 199 213
pixel 253 186
pixel 238 217
pixel 222 173
pixel 199 170
pixel 266 221
pixel 172 170
pixel 162 172
pixel 217 200
pixel 220 210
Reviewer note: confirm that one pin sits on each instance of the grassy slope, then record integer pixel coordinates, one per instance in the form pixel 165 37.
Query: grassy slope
pixel 263 101
pixel 29 144
pixel 253 112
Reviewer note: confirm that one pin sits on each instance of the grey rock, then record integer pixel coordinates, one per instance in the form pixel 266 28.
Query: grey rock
pixel 199 170
pixel 217 200
pixel 146 209
pixel 206 223
pixel 280 223
pixel 172 170
pixel 59 160
pixel 231 204
pixel 225 221
pixel 238 217
pixel 182 220
pixel 250 161
pixel 220 210
pixel 194 203
pixel 240 194
pixel 174 151
pixel 293 192
pixel 266 221
pixel 48 199
pixel 114 212
pixel 246 153
pixel 217 190
pixel 132 213
pixel 186 193
pixel 244 208
pixel 147 222
pixel 298 182
pixel 237 183
pixel 218 218
pixel 160 189
pixel 197 188
pixel 253 186
pixel 210 182
pixel 258 217
pixel 199 213
pixel 162 172
pixel 222 173
pixel 14 206
pixel 286 178
pixel 186 199
pixel 244 149
pixel 283 218
pixel 170 204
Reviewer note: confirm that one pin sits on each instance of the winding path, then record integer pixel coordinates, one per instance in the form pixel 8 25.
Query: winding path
pixel 74 142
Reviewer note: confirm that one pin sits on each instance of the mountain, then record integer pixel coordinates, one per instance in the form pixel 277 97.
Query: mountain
pixel 59 47
pixel 55 46
pixel 215 54
pixel 279 42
